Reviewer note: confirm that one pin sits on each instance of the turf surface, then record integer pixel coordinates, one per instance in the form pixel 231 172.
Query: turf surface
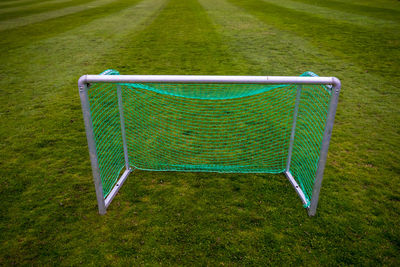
pixel 48 213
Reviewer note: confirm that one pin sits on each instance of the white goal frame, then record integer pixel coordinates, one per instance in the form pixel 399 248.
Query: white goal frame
pixel 85 81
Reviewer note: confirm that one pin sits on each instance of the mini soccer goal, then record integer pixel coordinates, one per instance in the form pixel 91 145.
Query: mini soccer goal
pixel 235 124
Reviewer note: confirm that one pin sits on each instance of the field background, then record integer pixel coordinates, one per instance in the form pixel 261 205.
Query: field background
pixel 48 212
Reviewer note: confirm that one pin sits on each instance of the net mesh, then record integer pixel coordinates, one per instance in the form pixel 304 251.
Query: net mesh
pixel 242 128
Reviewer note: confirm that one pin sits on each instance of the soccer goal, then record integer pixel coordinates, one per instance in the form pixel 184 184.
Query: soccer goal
pixel 235 124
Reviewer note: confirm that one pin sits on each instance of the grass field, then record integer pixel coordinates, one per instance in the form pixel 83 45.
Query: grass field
pixel 48 212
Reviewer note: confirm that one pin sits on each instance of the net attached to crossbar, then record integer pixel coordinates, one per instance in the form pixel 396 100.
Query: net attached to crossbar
pixel 242 128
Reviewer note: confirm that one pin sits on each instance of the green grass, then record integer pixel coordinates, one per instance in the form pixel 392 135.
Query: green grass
pixel 48 6
pixel 48 214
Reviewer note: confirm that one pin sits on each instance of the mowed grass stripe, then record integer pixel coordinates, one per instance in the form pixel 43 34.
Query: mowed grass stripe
pixel 25 35
pixel 324 12
pixel 19 3
pixel 182 40
pixel 388 10
pixel 269 50
pixel 29 7
pixel 375 51
pixel 21 21
pixel 7 14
